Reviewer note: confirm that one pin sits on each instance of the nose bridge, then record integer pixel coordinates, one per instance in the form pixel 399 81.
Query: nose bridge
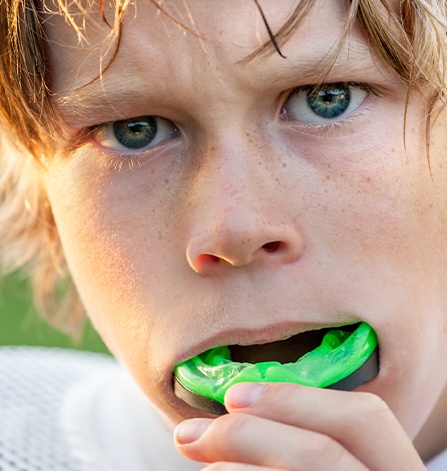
pixel 234 181
pixel 237 216
pixel 234 188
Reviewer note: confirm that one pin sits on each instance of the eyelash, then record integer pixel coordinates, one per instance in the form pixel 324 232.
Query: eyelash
pixel 112 162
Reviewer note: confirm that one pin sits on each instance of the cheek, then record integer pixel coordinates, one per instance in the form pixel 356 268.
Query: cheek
pixel 383 199
pixel 415 378
pixel 108 237
pixel 103 272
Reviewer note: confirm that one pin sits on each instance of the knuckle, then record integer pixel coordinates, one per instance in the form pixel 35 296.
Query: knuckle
pixel 371 410
pixel 231 427
pixel 233 422
pixel 332 453
pixel 369 404
pixel 323 449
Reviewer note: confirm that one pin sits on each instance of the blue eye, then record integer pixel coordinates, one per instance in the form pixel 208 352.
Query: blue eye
pixel 324 102
pixel 135 133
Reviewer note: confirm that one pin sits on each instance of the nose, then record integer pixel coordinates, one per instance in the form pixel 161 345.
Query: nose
pixel 223 245
pixel 240 217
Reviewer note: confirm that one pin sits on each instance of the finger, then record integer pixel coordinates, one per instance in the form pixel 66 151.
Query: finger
pixel 244 438
pixel 360 421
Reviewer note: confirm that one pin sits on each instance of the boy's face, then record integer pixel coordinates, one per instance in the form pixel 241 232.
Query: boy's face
pixel 247 214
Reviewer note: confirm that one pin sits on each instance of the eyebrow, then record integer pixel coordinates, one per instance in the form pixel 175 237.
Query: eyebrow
pixel 87 102
pixel 105 99
pixel 358 63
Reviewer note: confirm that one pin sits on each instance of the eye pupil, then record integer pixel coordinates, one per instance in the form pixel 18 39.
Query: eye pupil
pixel 329 103
pixel 135 133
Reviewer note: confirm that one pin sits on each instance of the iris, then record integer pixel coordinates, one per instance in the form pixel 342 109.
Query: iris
pixel 135 133
pixel 329 102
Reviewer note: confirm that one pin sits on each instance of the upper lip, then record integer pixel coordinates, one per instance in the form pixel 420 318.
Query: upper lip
pixel 260 336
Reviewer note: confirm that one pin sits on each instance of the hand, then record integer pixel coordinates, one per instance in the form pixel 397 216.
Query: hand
pixel 281 426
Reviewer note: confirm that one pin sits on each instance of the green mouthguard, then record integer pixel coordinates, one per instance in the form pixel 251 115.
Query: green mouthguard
pixel 339 356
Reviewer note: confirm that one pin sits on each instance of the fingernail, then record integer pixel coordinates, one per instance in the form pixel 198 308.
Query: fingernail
pixel 244 394
pixel 190 430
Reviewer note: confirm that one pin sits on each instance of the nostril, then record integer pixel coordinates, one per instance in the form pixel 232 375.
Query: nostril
pixel 206 258
pixel 272 247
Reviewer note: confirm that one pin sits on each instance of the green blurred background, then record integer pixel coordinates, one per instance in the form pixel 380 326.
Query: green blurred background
pixel 21 325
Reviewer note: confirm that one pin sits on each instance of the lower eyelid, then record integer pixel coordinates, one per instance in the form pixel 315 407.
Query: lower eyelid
pixel 357 122
pixel 116 161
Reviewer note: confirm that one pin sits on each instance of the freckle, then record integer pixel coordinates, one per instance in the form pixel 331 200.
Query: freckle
pixel 284 165
pixel 166 181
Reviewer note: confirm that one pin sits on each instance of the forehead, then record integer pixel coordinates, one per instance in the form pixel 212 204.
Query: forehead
pixel 228 31
pixel 194 43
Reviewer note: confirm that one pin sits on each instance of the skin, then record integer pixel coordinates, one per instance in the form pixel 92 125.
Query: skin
pixel 247 225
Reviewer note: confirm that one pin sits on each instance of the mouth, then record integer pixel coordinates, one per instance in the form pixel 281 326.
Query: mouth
pixel 339 358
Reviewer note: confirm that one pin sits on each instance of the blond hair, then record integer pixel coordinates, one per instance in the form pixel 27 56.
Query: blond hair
pixel 411 41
